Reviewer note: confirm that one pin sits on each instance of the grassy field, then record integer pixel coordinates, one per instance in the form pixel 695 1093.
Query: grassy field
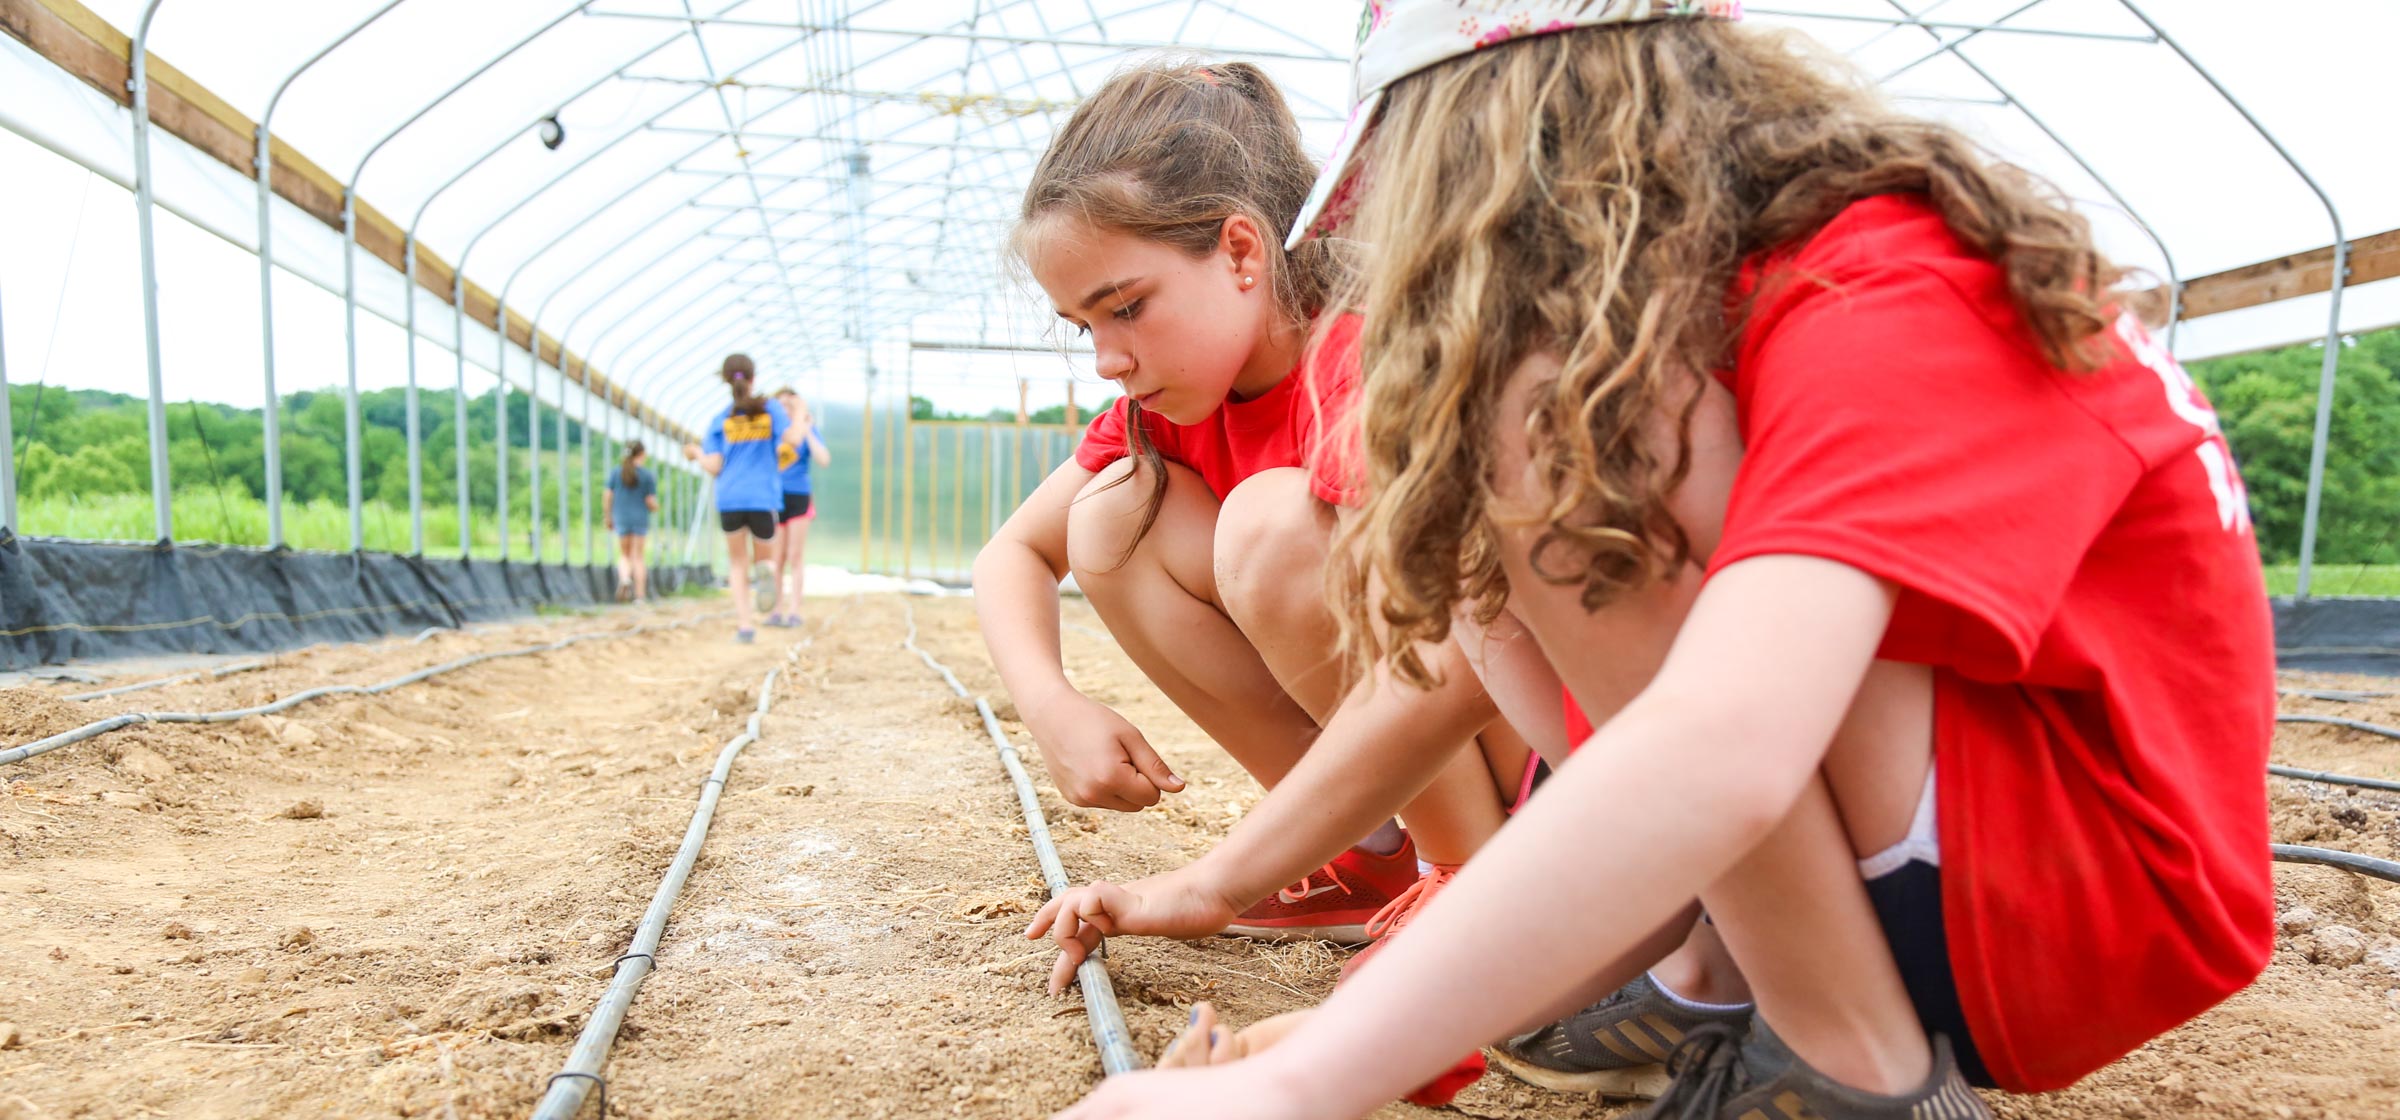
pixel 2336 579
pixel 240 519
pixel 321 525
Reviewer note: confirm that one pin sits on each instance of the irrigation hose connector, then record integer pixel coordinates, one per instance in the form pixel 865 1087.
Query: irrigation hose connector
pixel 1099 994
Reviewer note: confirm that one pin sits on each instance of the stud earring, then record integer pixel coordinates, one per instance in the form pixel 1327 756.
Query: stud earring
pixel 1249 280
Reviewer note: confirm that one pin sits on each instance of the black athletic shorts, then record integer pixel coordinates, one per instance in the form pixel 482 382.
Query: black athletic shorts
pixel 1908 902
pixel 760 522
pixel 795 506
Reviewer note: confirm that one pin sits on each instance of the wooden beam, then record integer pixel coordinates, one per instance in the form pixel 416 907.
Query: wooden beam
pixel 90 50
pixel 2301 274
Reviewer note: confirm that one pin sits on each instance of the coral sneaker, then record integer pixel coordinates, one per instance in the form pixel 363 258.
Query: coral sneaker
pixel 1388 921
pixel 1335 902
pixel 1380 929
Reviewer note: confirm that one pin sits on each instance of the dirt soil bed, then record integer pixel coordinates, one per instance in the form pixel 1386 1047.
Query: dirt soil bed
pixel 404 906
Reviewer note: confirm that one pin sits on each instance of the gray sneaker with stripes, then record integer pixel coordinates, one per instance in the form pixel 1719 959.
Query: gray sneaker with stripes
pixel 1617 1047
pixel 1721 1075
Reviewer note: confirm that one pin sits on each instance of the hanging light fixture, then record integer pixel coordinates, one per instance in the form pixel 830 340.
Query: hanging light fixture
pixel 552 133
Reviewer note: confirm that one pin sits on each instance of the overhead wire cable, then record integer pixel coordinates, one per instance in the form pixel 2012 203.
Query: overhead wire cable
pixel 58 312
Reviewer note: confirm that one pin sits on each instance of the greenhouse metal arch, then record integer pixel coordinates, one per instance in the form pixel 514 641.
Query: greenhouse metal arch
pixel 826 185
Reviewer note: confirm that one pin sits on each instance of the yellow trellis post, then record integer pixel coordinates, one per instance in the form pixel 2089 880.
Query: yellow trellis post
pixel 1016 458
pixel 866 484
pixel 958 499
pixel 908 492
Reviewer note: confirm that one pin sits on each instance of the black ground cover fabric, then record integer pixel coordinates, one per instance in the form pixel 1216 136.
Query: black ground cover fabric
pixel 2340 635
pixel 61 600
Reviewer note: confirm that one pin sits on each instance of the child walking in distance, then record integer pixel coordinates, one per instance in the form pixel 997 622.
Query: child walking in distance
pixel 1195 504
pixel 631 497
pixel 798 506
pixel 1908 580
pixel 741 451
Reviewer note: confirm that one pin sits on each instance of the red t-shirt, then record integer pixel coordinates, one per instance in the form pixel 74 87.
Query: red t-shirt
pixel 1294 424
pixel 2075 559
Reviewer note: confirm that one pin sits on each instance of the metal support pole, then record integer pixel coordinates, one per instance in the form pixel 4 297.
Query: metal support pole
pixel 2329 371
pixel 416 457
pixel 161 492
pixel 500 422
pixel 2009 99
pixel 533 441
pixel 8 444
pixel 587 460
pixel 272 413
pixel 266 272
pixel 565 542
pixel 458 415
pixel 350 424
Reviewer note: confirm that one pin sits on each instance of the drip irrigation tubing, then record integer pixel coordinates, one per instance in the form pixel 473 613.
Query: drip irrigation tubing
pixel 2348 861
pixel 162 682
pixel 2338 695
pixel 1099 995
pixel 101 727
pixel 2334 779
pixel 563 1095
pixel 2337 721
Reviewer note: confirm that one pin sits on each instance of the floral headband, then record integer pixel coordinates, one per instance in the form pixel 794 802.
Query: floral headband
pixel 1397 38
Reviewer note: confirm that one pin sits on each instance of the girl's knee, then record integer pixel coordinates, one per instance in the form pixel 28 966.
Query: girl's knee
pixel 1113 522
pixel 1272 528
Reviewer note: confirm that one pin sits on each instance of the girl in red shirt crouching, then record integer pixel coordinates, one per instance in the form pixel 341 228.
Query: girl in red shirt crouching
pixel 1196 515
pixel 1909 582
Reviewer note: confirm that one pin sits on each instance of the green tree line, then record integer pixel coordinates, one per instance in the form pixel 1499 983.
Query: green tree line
pixel 81 444
pixel 2267 403
pixel 922 408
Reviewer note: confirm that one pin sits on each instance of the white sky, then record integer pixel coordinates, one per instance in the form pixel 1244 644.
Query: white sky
pixel 2313 71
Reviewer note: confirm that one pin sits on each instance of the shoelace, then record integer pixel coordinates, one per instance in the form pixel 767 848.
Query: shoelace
pixel 1708 1072
pixel 1294 894
pixel 1399 911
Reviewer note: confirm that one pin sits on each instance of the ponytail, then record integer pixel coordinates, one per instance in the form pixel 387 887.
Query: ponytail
pixel 629 475
pixel 739 372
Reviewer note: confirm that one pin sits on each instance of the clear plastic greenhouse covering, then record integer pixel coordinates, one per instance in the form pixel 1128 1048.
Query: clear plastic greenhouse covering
pixel 635 186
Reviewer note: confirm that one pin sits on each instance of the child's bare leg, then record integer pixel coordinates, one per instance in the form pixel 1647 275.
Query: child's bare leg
pixel 1520 680
pixel 639 551
pixel 1273 539
pixel 1794 912
pixel 737 559
pixel 1160 603
pixel 781 550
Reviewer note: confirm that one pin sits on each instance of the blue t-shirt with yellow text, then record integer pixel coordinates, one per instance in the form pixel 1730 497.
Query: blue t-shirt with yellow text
pixel 748 481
